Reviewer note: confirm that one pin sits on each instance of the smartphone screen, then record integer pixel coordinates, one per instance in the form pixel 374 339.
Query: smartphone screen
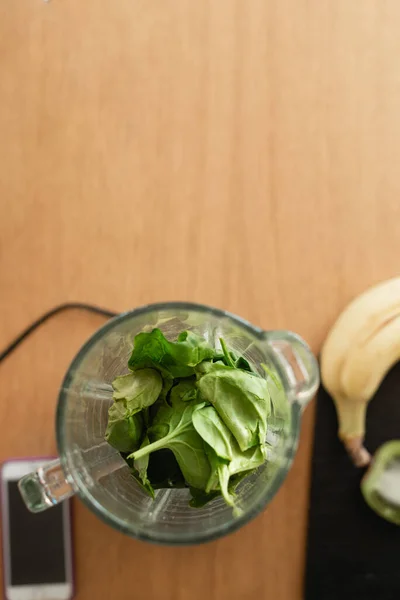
pixel 37 553
pixel 36 547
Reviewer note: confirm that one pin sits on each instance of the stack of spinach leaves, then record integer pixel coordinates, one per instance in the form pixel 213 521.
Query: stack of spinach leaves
pixel 189 416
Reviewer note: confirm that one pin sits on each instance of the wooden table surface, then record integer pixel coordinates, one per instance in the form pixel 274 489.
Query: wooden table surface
pixel 240 153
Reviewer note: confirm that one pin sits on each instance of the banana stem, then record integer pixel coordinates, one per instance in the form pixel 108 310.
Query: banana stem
pixel 351 416
pixel 357 452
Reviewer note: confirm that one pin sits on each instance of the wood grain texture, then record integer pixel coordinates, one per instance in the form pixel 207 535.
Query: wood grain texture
pixel 240 153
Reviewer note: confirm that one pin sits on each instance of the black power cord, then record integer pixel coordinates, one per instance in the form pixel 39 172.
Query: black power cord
pixel 54 311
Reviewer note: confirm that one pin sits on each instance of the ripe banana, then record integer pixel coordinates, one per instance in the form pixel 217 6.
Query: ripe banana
pixel 362 346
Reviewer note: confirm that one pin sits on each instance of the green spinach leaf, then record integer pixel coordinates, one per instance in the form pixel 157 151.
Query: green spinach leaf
pixel 190 416
pixel 182 439
pixel 220 476
pixel 245 461
pixel 213 430
pixel 229 474
pixel 177 359
pixel 168 382
pixel 185 391
pixel 228 358
pixel 132 394
pixel 139 389
pixel 146 486
pixel 242 363
pixel 141 465
pixel 208 366
pixel 148 489
pixel 242 401
pixel 124 431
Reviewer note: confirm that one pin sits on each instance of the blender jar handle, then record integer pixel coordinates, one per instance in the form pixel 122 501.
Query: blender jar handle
pixel 45 487
pixel 296 363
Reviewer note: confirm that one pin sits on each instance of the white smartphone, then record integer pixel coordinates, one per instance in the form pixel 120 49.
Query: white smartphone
pixel 37 549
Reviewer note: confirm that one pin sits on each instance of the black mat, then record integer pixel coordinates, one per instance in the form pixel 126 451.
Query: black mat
pixel 352 553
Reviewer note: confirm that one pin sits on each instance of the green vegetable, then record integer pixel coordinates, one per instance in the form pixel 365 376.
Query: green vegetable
pixel 249 460
pixel 209 367
pixel 124 430
pixel 227 494
pixel 212 429
pixel 141 466
pixel 223 470
pixel 146 487
pixel 185 391
pixel 242 363
pixel 173 429
pixel 189 416
pixel 380 485
pixel 132 394
pixel 226 458
pixel 139 390
pixel 242 401
pixel 177 359
pixel 229 359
